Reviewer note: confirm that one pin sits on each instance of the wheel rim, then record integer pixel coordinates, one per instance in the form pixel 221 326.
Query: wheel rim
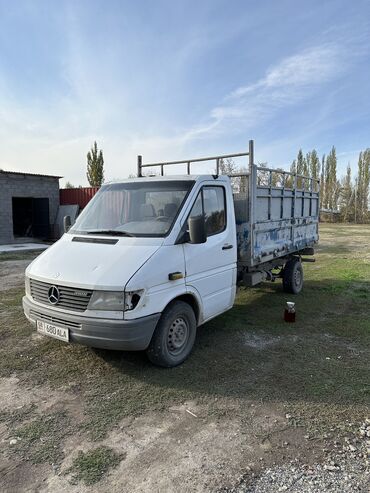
pixel 298 278
pixel 178 334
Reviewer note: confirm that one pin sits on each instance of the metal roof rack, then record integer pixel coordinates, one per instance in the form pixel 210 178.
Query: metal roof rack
pixel 188 162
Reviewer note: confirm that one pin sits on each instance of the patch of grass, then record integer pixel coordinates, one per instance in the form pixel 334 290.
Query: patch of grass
pixel 40 440
pixel 11 298
pixel 105 410
pixel 16 416
pixel 320 419
pixel 91 466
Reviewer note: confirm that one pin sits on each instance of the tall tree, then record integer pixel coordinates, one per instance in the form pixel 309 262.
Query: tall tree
pixel 95 166
pixel 327 181
pixel 346 199
pixel 300 162
pixel 322 183
pixel 362 188
pixel 366 176
pixel 301 168
pixel 332 185
pixel 290 179
pixel 313 165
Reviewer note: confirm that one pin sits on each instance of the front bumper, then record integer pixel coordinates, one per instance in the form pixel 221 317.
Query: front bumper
pixel 125 335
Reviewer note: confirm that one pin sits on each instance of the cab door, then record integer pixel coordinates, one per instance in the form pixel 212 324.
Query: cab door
pixel 211 266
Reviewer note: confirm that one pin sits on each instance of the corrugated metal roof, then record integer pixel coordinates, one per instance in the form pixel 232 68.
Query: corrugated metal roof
pixel 28 174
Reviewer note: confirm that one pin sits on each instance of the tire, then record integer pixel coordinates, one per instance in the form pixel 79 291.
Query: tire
pixel 293 276
pixel 174 336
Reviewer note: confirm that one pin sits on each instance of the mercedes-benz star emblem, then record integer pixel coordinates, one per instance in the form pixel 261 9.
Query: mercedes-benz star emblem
pixel 53 295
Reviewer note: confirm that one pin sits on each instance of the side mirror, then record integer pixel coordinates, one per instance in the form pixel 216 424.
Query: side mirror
pixel 67 223
pixel 197 230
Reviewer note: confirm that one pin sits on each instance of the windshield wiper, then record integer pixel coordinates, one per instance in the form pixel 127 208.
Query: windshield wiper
pixel 113 232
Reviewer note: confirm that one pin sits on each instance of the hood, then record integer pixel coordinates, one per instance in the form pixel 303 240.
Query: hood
pixel 90 265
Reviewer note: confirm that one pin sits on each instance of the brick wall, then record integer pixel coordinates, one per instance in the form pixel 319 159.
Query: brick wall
pixel 13 185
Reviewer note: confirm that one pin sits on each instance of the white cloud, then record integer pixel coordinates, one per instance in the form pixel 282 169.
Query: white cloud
pixel 310 67
pixel 292 80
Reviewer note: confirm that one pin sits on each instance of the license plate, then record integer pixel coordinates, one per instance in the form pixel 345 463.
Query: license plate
pixel 52 330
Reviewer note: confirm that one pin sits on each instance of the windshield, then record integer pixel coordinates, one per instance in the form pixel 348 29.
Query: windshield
pixel 133 209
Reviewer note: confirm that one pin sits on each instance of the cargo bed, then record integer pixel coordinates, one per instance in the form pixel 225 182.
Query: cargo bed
pixel 276 214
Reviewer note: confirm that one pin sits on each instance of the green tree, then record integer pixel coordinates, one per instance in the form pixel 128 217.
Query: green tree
pixel 346 198
pixel 69 185
pixel 313 165
pixel 289 183
pixel 332 185
pixel 300 162
pixel 366 177
pixel 362 188
pixel 322 182
pixel 95 166
pixel 301 168
pixel 327 182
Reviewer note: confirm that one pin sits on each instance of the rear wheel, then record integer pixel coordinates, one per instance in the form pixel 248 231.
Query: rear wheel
pixel 293 276
pixel 174 336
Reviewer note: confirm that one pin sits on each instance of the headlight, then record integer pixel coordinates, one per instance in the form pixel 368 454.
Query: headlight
pixel 107 300
pixel 132 298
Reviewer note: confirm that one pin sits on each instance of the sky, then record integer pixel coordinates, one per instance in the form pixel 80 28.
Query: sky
pixel 173 79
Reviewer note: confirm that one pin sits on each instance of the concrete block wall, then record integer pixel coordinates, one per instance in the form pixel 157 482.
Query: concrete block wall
pixel 14 185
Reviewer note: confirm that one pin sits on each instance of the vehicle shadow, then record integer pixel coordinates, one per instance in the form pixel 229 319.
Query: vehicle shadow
pixel 250 352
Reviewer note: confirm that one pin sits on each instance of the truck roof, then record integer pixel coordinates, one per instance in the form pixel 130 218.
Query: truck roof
pixel 223 178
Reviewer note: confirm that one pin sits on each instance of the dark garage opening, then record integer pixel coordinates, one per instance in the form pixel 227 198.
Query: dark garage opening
pixel 31 217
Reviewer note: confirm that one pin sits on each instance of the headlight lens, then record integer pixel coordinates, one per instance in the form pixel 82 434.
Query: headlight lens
pixel 107 300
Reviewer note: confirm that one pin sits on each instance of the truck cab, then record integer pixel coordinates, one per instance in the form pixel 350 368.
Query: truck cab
pixel 130 260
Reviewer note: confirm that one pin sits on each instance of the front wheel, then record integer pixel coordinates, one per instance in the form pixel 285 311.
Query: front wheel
pixel 174 336
pixel 293 276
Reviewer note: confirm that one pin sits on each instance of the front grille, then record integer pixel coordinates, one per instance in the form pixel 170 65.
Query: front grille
pixel 60 322
pixel 70 298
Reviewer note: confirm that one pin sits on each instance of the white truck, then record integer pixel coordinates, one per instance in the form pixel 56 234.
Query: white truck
pixel 150 259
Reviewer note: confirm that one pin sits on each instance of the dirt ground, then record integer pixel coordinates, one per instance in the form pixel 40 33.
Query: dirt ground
pixel 258 397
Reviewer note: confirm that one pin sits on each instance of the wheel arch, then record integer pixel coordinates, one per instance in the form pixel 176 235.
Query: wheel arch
pixel 191 300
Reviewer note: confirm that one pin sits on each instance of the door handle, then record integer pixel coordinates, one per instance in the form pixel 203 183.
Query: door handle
pixel 227 247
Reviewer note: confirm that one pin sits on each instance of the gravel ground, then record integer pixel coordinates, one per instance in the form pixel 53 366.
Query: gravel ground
pixel 346 470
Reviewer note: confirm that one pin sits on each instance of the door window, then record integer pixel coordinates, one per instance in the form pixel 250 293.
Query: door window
pixel 214 209
pixel 211 203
